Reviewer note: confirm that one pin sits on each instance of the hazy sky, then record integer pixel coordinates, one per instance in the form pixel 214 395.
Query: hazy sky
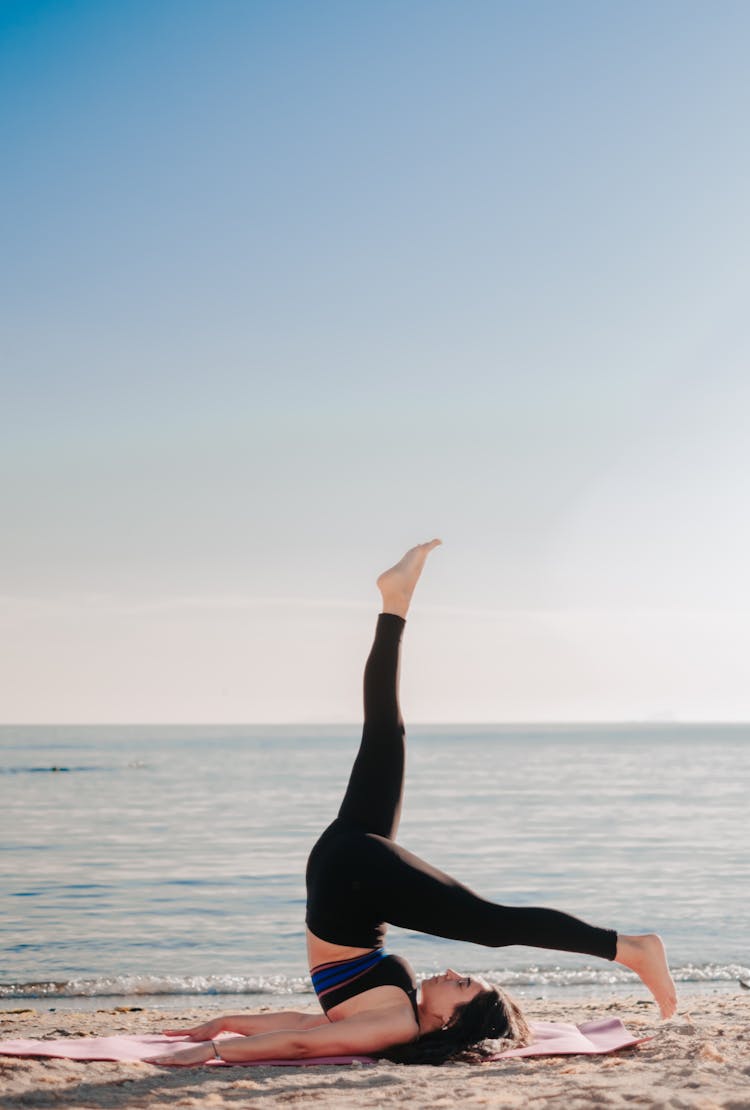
pixel 287 287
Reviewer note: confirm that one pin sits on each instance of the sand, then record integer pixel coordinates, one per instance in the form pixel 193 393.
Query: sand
pixel 701 1058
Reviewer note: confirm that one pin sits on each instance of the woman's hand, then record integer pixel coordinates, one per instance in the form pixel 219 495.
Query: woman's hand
pixel 205 1032
pixel 185 1057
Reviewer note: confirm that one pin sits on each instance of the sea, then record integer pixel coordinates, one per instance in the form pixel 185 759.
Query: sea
pixel 161 866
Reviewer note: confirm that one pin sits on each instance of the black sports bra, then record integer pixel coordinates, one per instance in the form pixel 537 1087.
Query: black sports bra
pixel 343 979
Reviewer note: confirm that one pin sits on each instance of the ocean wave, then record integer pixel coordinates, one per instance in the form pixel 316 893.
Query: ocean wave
pixel 135 986
pixel 54 769
pixel 574 977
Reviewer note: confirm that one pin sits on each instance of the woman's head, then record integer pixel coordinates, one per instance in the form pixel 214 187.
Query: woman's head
pixel 458 1013
pixel 441 994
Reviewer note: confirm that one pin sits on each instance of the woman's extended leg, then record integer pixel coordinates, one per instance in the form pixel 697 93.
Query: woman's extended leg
pixel 413 894
pixel 404 890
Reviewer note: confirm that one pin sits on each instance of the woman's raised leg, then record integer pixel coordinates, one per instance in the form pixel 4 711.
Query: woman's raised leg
pixel 373 797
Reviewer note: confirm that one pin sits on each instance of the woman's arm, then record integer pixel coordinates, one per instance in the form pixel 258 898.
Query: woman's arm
pixel 364 1033
pixel 360 1035
pixel 250 1024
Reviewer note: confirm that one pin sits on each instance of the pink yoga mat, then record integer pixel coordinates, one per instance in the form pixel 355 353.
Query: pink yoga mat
pixel 551 1038
pixel 141 1046
pixel 558 1038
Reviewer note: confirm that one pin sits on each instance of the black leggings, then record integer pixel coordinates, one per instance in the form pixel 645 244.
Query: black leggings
pixel 359 880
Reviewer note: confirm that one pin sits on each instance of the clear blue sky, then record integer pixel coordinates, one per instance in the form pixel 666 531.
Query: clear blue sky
pixel 287 287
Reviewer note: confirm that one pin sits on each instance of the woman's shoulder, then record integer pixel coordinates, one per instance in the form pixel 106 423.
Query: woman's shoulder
pixel 373 1029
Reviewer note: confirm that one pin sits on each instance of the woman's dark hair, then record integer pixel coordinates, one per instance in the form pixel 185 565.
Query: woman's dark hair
pixel 491 1015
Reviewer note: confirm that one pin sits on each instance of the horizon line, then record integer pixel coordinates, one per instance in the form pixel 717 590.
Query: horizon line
pixel 662 721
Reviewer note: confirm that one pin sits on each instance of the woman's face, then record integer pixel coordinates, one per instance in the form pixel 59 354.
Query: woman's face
pixel 442 993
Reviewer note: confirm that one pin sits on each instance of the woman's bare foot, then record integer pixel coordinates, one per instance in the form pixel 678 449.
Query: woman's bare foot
pixel 645 955
pixel 397 584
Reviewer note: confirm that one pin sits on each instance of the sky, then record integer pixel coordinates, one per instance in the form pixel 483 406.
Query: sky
pixel 287 287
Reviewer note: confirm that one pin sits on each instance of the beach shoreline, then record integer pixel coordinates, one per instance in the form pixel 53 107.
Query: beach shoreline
pixel 698 1059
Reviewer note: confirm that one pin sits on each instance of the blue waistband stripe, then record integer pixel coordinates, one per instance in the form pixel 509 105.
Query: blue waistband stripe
pixel 330 975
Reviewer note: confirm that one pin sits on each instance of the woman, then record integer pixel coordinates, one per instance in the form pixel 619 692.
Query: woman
pixel 359 879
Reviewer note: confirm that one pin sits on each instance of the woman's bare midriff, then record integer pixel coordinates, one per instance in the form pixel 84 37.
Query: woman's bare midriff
pixel 324 952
